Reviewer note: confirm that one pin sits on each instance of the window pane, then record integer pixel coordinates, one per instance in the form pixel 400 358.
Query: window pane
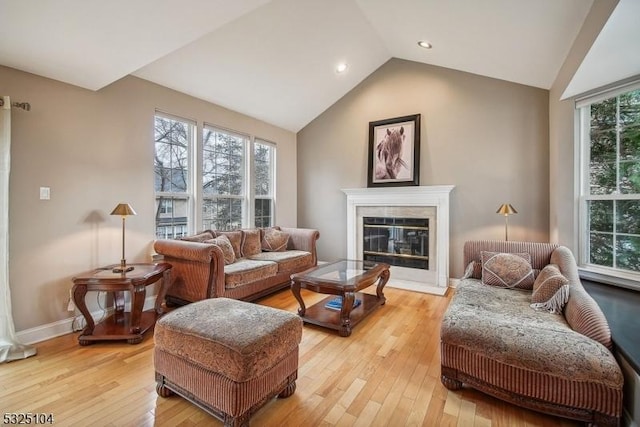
pixel 627 216
pixel 601 215
pixel 628 253
pixel 629 121
pixel 630 142
pixel 223 163
pixel 630 177
pixel 263 213
pixel 602 178
pixel 222 214
pixel 171 154
pixel 171 217
pixel 601 249
pixel 262 168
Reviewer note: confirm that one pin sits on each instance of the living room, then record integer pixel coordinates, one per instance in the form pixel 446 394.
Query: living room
pixel 497 141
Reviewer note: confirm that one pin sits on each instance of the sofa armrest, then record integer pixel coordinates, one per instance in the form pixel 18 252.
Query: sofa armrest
pixel 582 312
pixel 191 251
pixel 303 239
pixel 198 268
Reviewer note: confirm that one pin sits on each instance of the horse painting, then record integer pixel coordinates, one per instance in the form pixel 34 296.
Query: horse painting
pixel 389 155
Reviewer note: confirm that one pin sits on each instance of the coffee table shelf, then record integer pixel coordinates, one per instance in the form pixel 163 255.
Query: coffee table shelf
pixel 320 315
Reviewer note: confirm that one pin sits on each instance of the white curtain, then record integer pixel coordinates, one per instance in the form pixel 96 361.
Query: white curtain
pixel 10 347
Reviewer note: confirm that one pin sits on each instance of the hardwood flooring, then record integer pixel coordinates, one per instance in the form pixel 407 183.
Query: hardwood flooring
pixel 385 374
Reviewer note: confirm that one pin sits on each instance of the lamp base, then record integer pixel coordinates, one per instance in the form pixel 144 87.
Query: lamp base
pixel 123 268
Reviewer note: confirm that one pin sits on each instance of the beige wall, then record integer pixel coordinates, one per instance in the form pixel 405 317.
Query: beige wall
pixel 487 137
pixel 95 149
pixel 562 214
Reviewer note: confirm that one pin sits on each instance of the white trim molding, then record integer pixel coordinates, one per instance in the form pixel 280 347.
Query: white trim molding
pixel 435 197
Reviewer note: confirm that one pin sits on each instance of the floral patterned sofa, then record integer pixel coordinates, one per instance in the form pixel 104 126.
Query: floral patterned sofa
pixel 240 264
pixel 550 354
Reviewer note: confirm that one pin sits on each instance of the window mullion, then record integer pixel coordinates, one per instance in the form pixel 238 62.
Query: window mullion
pixel 251 182
pixel 196 180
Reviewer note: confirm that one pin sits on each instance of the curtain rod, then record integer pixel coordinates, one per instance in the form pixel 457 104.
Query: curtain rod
pixel 24 105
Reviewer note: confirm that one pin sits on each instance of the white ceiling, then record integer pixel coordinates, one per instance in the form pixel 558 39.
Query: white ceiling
pixel 615 55
pixel 274 60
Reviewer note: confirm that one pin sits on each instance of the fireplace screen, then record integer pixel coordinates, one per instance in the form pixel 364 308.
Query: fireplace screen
pixel 403 242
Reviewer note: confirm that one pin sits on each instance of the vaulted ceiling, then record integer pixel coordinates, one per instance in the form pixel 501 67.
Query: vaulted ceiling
pixel 275 60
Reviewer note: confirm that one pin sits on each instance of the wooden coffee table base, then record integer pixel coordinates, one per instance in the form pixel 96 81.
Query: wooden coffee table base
pixel 341 279
pixel 319 315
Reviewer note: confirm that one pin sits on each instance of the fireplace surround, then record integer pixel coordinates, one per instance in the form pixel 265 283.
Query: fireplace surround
pixel 424 202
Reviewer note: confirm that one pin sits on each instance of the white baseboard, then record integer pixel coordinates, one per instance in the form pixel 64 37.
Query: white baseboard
pixel 65 326
pixel 411 285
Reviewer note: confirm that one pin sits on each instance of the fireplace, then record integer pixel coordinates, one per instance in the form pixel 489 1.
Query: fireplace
pixel 403 242
pixel 420 255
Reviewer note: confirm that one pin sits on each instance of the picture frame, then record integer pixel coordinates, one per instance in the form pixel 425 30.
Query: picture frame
pixel 394 152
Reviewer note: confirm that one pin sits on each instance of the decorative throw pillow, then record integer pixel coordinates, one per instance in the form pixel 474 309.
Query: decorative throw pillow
pixel 507 270
pixel 250 242
pixel 227 250
pixel 235 237
pixel 550 290
pixel 274 240
pixel 200 237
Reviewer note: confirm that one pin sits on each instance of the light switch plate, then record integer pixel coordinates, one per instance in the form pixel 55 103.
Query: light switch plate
pixel 45 193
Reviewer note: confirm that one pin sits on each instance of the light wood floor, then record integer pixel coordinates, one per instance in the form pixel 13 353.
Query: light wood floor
pixel 385 374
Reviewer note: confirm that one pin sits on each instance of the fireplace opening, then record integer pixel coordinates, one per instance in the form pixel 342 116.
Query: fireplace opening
pixel 402 242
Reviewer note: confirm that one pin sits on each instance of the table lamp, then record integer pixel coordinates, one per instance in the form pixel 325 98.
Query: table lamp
pixel 124 210
pixel 506 209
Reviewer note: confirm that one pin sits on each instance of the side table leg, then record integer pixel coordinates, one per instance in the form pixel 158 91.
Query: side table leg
pixel 79 293
pixel 384 278
pixel 345 314
pixel 138 294
pixel 164 286
pixel 295 289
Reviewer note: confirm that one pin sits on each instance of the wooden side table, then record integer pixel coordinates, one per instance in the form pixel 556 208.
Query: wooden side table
pixel 121 325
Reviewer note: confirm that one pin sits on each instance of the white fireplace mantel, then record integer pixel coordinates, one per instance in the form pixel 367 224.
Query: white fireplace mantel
pixel 435 196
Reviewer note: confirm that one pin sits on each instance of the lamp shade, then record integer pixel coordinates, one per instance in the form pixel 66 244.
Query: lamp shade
pixel 123 209
pixel 506 209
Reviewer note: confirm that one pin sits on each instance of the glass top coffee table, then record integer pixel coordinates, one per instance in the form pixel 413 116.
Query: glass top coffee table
pixel 343 280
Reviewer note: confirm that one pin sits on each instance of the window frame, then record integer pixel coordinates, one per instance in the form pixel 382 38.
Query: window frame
pixel 244 195
pixel 272 179
pixel 188 194
pixel 612 275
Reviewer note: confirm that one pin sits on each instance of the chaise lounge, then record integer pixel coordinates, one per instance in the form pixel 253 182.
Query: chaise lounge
pixel 494 341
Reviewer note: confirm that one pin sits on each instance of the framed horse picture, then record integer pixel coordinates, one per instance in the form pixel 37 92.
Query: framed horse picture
pixel 394 152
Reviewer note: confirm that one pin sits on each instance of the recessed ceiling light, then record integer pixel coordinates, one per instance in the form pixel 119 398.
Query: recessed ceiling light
pixel 425 44
pixel 341 68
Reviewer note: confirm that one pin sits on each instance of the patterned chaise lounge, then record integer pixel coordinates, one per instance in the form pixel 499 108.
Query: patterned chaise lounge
pixel 494 341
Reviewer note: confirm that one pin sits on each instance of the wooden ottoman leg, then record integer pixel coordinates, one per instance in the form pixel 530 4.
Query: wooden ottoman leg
pixel 161 388
pixel 241 421
pixel 290 388
pixel 450 383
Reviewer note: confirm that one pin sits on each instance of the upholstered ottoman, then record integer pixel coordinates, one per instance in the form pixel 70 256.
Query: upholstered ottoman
pixel 228 357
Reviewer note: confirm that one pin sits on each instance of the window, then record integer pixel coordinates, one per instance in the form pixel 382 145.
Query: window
pixel 610 182
pixel 173 141
pixel 263 169
pixel 231 186
pixel 223 178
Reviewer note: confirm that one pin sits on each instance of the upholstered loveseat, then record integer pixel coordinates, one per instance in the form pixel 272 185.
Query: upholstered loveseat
pixel 240 264
pixel 553 358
